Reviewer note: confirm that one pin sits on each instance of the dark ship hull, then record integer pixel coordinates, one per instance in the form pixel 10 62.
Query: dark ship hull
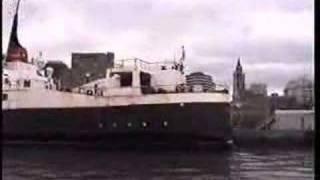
pixel 188 123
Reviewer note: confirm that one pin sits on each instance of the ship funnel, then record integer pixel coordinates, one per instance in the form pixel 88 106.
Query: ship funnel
pixel 15 50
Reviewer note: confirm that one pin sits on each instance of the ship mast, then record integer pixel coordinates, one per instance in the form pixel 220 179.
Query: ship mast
pixel 15 51
pixel 183 56
pixel 17 8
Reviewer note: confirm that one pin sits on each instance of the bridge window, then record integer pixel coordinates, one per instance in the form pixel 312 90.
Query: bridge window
pixel 26 83
pixel 125 78
pixel 145 79
pixel 145 82
pixel 6 81
pixel 4 97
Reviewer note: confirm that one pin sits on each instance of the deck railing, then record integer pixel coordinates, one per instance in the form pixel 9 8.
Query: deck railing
pixel 159 89
pixel 145 65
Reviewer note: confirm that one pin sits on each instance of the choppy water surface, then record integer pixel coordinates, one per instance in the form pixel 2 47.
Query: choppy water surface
pixel 66 163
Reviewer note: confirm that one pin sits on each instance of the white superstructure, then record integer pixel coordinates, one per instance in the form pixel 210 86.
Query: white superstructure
pixel 131 82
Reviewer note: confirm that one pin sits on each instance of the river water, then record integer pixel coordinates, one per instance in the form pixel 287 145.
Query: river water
pixel 69 163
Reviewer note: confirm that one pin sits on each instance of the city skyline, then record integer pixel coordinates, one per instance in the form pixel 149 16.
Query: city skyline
pixel 273 39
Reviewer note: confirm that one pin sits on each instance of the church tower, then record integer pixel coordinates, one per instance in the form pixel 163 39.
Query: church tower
pixel 238 83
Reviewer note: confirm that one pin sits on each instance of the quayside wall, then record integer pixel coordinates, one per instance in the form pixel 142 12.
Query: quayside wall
pixel 252 138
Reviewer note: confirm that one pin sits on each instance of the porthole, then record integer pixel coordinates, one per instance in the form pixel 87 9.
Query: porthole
pixel 165 123
pixel 144 124
pixel 89 92
pixel 129 124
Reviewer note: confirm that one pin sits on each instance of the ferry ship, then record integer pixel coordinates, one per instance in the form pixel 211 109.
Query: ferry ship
pixel 138 103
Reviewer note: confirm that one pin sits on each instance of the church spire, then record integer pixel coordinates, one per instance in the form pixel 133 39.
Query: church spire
pixel 15 50
pixel 239 67
pixel 238 82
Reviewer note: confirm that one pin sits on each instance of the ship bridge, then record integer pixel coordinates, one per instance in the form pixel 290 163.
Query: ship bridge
pixel 142 65
pixel 130 77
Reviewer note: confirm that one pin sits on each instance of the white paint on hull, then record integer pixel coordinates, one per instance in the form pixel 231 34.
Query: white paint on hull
pixel 57 99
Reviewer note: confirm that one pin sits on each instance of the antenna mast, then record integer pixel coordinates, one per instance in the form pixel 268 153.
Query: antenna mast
pixel 17 9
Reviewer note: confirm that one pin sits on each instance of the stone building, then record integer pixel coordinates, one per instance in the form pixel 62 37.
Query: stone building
pixel 298 94
pixel 283 102
pixel 258 89
pixel 302 90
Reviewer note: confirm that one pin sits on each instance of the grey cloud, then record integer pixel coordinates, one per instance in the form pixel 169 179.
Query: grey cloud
pixel 263 51
pixel 293 5
pixel 215 32
pixel 275 75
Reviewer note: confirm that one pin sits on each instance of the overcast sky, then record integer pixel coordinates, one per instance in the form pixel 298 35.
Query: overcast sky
pixel 273 38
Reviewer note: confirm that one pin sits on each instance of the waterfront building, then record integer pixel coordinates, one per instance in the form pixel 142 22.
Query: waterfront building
pixel 293 120
pixel 200 79
pixel 298 94
pixel 282 102
pixel 258 89
pixel 302 90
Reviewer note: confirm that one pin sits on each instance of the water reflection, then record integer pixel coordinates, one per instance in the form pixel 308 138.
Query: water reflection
pixel 45 163
pixel 273 164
